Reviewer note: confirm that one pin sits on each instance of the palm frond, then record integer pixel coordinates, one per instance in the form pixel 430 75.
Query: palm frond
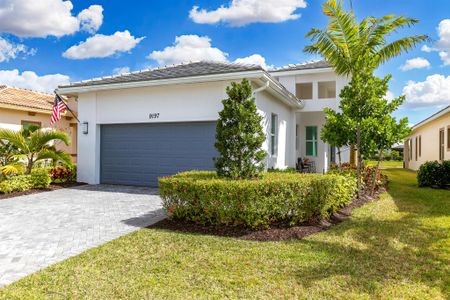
pixel 398 47
pixel 56 155
pixel 13 168
pixel 14 137
pixel 39 139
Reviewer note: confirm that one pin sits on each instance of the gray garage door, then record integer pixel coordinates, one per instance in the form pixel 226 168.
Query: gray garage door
pixel 137 154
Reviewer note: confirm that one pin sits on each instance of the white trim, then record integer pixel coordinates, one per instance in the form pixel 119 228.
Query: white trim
pixel 301 72
pixel 260 75
pixel 432 118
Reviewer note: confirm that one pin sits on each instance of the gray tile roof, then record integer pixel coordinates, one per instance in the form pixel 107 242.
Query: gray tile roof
pixel 170 72
pixel 304 66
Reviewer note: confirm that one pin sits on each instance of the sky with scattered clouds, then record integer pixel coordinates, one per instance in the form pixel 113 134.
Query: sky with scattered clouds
pixel 50 42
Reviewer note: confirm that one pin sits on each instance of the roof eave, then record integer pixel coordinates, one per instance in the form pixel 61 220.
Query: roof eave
pixel 432 118
pixel 75 90
pixel 25 108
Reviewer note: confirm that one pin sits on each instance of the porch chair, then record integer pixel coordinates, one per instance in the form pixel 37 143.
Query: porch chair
pixel 301 168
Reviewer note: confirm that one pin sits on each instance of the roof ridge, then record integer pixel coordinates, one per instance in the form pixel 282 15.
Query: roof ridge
pixel 5 86
pixel 299 64
pixel 165 67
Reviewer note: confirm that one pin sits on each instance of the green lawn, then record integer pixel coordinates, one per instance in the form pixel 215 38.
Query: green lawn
pixel 398 247
pixel 385 164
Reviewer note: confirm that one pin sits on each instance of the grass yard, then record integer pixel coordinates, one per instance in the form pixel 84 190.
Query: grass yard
pixel 398 247
pixel 385 164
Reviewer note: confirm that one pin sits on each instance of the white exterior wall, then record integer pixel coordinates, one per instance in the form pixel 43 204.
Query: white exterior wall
pixel 312 115
pixel 286 130
pixel 429 134
pixel 174 103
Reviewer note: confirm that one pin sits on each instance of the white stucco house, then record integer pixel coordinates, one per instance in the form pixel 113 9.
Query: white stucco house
pixel 141 125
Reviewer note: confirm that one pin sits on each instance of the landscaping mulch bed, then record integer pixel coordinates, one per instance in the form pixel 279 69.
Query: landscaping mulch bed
pixel 52 187
pixel 278 232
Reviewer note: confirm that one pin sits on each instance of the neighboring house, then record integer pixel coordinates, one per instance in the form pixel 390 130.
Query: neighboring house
pixel 429 140
pixel 21 108
pixel 141 125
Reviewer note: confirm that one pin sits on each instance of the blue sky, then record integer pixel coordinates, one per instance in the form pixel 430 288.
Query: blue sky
pixel 279 40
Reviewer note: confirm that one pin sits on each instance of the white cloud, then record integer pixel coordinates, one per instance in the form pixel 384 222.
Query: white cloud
pixel 42 18
pixel 435 90
pixel 390 96
pixel 443 44
pixel 30 80
pixel 121 70
pixel 415 63
pixel 91 18
pixel 189 48
pixel 99 45
pixel 255 59
pixel 243 12
pixel 10 50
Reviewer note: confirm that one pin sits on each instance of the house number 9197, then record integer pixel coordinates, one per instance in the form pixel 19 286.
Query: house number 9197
pixel 153 115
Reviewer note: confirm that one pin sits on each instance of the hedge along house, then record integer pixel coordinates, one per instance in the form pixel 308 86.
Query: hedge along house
pixel 429 140
pixel 142 125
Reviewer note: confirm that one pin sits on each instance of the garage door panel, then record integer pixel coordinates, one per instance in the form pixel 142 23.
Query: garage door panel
pixel 137 154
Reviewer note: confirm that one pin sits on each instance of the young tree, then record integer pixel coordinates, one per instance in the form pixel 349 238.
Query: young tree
pixel 239 134
pixel 357 49
pixel 34 144
pixel 336 131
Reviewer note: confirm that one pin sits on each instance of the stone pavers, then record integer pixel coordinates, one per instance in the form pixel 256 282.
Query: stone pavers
pixel 41 229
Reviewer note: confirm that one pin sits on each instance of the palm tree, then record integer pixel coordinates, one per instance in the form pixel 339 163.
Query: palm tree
pixel 353 48
pixel 344 40
pixel 34 144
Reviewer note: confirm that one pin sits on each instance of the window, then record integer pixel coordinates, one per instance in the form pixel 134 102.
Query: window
pixel 448 138
pixel 327 89
pixel 274 135
pixel 420 145
pixel 304 91
pixel 441 144
pixel 417 148
pixel 26 124
pixel 311 140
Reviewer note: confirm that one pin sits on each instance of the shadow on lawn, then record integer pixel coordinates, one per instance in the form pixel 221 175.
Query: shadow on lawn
pixel 382 251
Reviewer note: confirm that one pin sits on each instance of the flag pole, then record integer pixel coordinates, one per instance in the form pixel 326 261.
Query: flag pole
pixel 67 106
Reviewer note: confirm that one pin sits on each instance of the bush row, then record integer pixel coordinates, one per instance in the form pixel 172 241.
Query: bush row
pixel 434 174
pixel 204 198
pixel 38 179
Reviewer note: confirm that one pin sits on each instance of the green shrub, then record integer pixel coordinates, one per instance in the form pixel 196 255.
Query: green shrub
pixel 203 197
pixel 38 179
pixel 434 173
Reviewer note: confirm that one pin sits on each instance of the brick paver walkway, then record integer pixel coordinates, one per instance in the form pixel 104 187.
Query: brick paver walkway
pixel 41 229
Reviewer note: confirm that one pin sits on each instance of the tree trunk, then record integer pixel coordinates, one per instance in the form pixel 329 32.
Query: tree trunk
pixel 29 166
pixel 374 180
pixel 358 166
pixel 339 160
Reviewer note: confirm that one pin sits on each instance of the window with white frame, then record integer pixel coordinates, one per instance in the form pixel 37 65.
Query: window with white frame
pixel 304 91
pixel 311 140
pixel 274 135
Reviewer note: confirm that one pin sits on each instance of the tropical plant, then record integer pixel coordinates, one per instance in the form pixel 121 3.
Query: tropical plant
pixel 355 48
pixel 344 39
pixel 239 134
pixel 34 144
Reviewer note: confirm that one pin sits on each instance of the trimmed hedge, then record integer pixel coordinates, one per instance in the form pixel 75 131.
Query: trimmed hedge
pixel 434 173
pixel 36 180
pixel 204 198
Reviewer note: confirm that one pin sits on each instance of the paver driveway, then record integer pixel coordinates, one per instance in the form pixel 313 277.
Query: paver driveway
pixel 41 229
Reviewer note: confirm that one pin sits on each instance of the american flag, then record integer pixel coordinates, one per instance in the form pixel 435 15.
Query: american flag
pixel 58 107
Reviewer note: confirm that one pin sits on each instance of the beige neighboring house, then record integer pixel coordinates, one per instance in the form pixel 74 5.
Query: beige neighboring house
pixel 429 140
pixel 21 108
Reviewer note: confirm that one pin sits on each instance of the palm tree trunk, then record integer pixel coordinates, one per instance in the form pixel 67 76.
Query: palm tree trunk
pixel 375 176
